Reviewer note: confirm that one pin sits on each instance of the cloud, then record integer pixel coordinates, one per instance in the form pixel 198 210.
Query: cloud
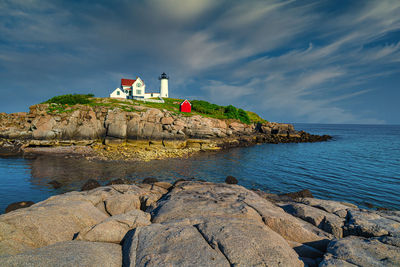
pixel 288 60
pixel 182 10
pixel 224 93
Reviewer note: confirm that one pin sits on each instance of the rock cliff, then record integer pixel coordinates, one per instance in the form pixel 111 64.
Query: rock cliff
pixel 92 123
pixel 85 125
pixel 196 224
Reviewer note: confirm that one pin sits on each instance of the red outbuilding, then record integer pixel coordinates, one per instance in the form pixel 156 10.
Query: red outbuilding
pixel 185 106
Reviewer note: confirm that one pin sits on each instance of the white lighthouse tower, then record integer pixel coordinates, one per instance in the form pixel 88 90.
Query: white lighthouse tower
pixel 164 85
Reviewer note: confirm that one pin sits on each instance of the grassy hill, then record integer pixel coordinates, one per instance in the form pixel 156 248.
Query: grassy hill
pixel 65 103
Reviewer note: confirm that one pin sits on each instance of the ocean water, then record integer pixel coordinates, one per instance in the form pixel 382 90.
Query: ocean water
pixel 361 165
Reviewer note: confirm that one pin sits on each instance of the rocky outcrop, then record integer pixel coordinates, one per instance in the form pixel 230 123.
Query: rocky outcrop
pixel 373 223
pixel 86 125
pixel 358 251
pixel 93 123
pixel 68 254
pixel 114 228
pixel 197 224
pixel 321 219
pixel 60 218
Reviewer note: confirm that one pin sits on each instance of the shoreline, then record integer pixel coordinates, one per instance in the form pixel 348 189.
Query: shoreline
pixel 111 132
pixel 144 150
pixel 298 228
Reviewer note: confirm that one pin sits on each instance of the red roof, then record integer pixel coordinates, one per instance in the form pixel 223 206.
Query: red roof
pixel 127 82
pixel 183 102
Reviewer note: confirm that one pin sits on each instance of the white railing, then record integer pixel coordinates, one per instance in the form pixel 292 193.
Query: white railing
pixel 160 100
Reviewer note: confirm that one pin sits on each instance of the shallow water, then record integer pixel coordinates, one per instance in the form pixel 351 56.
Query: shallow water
pixel 360 165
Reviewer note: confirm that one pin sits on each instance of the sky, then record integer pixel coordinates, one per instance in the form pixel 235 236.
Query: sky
pixel 289 61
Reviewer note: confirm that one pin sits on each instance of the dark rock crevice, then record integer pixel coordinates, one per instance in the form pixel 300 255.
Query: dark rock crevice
pixel 105 208
pixel 214 245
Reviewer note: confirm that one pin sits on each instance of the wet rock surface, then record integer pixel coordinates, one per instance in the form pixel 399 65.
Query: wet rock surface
pixel 231 180
pixel 194 223
pixel 55 184
pixel 90 184
pixel 298 195
pixel 117 181
pixel 19 205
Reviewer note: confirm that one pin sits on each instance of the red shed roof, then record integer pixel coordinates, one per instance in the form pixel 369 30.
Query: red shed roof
pixel 127 82
pixel 186 101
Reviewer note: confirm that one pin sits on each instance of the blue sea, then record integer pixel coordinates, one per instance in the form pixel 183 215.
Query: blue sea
pixel 361 165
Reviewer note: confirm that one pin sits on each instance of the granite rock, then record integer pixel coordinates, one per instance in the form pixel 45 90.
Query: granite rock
pixel 170 245
pixel 361 252
pixel 68 254
pixel 370 223
pixel 114 228
pixel 320 218
pixel 194 201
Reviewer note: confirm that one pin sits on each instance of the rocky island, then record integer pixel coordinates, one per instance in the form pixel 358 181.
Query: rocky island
pixel 111 129
pixel 193 223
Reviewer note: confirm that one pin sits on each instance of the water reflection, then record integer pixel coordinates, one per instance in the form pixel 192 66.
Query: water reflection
pixel 73 172
pixel 360 158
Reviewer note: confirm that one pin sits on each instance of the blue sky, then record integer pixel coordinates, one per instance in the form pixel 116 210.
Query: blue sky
pixel 290 61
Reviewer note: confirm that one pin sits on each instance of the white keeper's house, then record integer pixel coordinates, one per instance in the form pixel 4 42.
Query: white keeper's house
pixel 136 89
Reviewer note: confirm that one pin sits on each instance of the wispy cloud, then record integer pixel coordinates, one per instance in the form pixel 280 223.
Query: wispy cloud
pixel 288 60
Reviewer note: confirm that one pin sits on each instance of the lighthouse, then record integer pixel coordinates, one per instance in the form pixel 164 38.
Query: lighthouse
pixel 164 85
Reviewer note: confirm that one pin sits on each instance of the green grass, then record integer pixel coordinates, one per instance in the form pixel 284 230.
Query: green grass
pixel 171 104
pixel 243 116
pixel 71 99
pixel 204 107
pixel 59 108
pixel 254 117
pixel 60 104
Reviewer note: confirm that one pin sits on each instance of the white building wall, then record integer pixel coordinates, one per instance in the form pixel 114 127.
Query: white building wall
pixel 118 93
pixel 164 88
pixel 139 85
pixel 150 95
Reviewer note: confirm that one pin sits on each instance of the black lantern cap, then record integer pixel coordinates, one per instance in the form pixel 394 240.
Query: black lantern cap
pixel 163 76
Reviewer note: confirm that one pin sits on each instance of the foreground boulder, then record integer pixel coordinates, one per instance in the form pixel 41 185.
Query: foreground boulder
pixel 251 244
pixel 229 214
pixel 68 254
pixel 358 251
pixel 194 223
pixel 61 217
pixel 326 221
pixel 114 228
pixel 197 200
pixel 220 242
pixel 45 224
pixel 170 245
pixel 372 223
pixel 338 208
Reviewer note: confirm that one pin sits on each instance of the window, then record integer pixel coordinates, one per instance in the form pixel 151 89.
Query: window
pixel 118 93
pixel 138 92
